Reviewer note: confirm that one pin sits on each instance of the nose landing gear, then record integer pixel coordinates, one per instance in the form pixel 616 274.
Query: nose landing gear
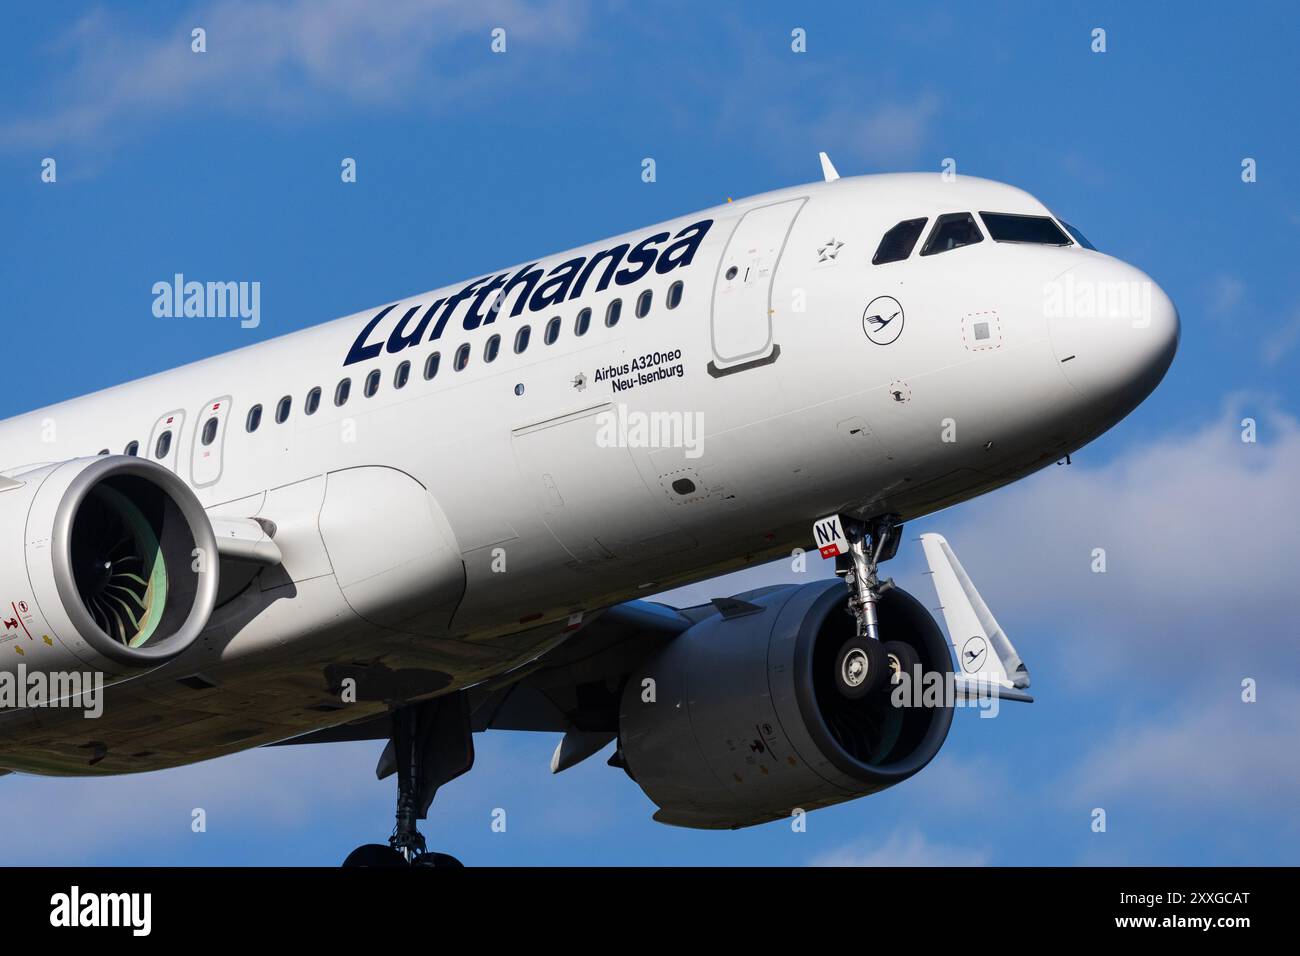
pixel 864 663
pixel 430 743
pixel 869 544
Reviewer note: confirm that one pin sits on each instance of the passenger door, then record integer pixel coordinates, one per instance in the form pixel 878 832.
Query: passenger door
pixel 742 298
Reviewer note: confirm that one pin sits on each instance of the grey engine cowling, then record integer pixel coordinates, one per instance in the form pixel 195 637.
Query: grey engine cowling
pixel 108 563
pixel 737 721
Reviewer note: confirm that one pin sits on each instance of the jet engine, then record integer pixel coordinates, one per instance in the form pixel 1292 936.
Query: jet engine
pixel 743 717
pixel 106 563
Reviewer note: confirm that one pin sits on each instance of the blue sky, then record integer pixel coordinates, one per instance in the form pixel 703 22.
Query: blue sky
pixel 226 165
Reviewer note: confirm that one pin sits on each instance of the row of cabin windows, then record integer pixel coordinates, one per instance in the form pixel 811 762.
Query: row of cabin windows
pixel 491 349
pixel 402 374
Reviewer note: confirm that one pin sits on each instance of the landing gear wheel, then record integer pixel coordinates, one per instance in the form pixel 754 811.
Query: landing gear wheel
pixel 445 860
pixel 374 854
pixel 902 659
pixel 861 667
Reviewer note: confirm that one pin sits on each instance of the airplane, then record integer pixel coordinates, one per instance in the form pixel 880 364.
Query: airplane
pixel 444 515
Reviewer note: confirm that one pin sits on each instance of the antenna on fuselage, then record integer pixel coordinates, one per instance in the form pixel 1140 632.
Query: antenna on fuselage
pixel 828 168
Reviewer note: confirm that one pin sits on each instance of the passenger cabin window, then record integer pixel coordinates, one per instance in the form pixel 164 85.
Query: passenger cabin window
pixel 254 418
pixel 674 295
pixel 491 347
pixel 581 323
pixel 313 401
pixel 898 243
pixel 552 331
pixel 643 304
pixel 1040 230
pixel 952 231
pixel 401 375
pixel 164 444
pixel 521 338
pixel 372 383
pixel 462 358
pixel 132 448
pixel 431 365
pixel 341 392
pixel 612 312
pixel 282 410
pixel 209 433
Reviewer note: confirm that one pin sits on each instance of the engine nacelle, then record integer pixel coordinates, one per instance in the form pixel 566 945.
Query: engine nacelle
pixel 747 724
pixel 107 564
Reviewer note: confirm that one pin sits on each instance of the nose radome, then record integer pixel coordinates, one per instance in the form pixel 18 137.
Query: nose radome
pixel 1114 330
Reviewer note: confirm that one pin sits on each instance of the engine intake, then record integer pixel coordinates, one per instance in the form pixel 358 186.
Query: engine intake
pixel 744 721
pixel 121 559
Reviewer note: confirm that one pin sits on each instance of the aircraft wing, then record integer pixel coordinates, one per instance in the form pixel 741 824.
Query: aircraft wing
pixel 572 689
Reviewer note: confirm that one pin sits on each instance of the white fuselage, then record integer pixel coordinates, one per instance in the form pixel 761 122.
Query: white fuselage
pixel 457 525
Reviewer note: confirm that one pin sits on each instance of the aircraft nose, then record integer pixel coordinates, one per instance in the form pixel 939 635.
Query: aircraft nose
pixel 1114 331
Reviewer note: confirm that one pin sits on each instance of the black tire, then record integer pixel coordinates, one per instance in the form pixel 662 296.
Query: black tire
pixel 861 667
pixel 374 854
pixel 902 659
pixel 442 860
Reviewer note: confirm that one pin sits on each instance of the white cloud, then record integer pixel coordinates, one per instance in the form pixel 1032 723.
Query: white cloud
pixel 1199 532
pixel 1210 754
pixel 1279 342
pixel 1200 537
pixel 960 777
pixel 885 124
pixel 1225 295
pixel 281 59
pixel 883 132
pixel 905 848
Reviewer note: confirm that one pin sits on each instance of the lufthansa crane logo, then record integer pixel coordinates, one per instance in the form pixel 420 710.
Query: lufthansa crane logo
pixel 882 320
pixel 973 653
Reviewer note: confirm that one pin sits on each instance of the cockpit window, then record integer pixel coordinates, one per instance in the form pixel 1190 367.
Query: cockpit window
pixel 899 241
pixel 952 231
pixel 1005 227
pixel 1079 237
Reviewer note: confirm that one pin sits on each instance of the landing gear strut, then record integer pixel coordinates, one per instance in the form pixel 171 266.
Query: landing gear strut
pixel 869 544
pixel 864 662
pixel 430 743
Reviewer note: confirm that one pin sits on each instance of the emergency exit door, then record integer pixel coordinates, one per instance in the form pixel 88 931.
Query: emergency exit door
pixel 742 299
